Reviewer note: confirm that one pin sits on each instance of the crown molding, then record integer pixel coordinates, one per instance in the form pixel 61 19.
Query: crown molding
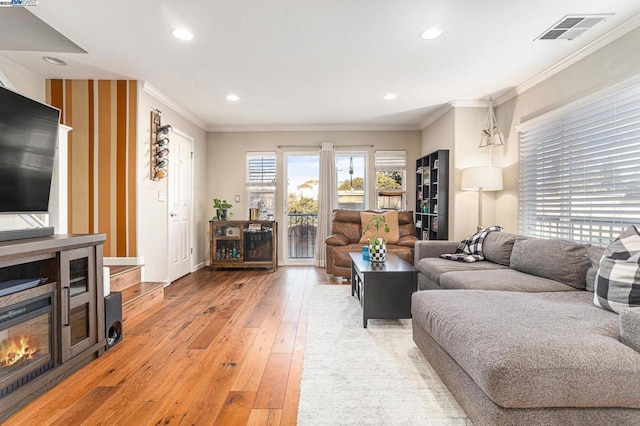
pixel 314 128
pixel 469 104
pixel 612 35
pixel 431 118
pixel 155 93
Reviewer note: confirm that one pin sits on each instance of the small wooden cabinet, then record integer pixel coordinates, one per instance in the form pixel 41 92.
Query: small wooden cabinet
pixel 243 244
pixel 432 196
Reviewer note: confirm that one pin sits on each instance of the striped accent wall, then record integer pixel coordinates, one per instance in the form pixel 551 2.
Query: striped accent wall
pixel 102 158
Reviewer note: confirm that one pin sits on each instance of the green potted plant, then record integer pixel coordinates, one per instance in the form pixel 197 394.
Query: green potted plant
pixel 221 206
pixel 377 243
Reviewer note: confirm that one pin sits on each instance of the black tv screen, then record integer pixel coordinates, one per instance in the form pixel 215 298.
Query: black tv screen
pixel 28 137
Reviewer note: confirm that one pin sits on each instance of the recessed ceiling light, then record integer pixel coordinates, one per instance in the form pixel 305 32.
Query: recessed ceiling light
pixel 390 96
pixel 54 61
pixel 431 33
pixel 233 98
pixel 182 34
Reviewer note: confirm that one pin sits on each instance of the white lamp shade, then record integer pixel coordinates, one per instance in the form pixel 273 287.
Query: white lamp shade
pixel 489 178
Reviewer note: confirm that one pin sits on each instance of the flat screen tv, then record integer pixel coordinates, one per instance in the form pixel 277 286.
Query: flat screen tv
pixel 28 137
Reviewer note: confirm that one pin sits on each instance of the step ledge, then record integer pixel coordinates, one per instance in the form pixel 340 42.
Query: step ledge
pixel 121 269
pixel 136 291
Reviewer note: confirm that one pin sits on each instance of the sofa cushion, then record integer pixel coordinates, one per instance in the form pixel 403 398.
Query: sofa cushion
pixel 561 260
pixel 502 279
pixel 527 350
pixel 391 219
pixel 595 254
pixel 434 267
pixel 630 328
pixel 617 284
pixel 498 246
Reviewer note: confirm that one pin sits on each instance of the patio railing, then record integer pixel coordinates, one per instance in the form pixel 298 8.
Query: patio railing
pixel 301 231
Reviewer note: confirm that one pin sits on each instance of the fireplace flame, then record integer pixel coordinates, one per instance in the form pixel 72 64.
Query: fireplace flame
pixel 17 349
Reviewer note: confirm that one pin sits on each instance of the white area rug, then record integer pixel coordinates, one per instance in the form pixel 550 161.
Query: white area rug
pixel 373 376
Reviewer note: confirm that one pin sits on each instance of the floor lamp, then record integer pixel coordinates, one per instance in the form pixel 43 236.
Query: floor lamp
pixel 481 178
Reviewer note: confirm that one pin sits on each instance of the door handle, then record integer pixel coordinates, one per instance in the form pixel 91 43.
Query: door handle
pixel 173 214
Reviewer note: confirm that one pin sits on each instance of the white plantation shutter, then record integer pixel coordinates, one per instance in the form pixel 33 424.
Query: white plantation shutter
pixel 580 171
pixel 261 170
pixel 391 161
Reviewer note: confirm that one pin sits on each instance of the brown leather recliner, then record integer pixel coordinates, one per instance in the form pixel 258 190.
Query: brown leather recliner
pixel 346 231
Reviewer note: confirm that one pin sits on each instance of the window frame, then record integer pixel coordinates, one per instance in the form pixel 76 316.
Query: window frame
pixel 388 160
pixel 353 153
pixel 580 151
pixel 268 186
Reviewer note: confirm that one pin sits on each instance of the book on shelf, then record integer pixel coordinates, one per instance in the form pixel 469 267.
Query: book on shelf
pixel 425 235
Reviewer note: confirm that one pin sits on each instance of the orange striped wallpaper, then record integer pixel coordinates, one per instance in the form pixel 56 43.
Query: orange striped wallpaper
pixel 102 158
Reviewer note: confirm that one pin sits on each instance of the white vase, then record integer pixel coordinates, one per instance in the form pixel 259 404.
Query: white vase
pixel 378 252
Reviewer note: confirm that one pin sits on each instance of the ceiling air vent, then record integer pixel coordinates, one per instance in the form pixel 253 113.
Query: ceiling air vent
pixel 572 26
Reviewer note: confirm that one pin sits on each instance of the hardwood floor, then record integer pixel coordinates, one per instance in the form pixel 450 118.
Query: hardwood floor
pixel 224 347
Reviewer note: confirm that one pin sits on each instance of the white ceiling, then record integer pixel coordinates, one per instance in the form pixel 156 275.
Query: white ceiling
pixel 304 62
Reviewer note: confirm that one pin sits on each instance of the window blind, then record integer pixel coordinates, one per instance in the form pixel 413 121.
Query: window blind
pixel 261 170
pixel 390 161
pixel 580 171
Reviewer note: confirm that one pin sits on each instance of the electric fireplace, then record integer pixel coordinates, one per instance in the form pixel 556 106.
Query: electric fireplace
pixel 26 342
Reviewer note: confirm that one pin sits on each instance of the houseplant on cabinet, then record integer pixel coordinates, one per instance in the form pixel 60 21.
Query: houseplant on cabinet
pixel 377 243
pixel 221 207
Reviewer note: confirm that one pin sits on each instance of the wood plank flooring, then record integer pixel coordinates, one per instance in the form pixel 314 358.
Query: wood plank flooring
pixel 224 347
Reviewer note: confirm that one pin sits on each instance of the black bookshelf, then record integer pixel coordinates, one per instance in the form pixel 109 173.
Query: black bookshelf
pixel 432 196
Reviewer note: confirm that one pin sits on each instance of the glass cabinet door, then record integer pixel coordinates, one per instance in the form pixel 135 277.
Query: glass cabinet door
pixel 77 299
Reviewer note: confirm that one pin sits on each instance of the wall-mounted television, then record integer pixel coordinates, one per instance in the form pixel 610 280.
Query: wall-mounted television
pixel 28 138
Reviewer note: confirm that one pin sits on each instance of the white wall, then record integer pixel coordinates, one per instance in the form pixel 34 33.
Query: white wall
pixel 468 124
pixel 26 82
pixel 614 63
pixel 152 215
pixel 227 150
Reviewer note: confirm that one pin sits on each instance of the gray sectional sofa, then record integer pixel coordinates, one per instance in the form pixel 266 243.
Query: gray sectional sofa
pixel 524 344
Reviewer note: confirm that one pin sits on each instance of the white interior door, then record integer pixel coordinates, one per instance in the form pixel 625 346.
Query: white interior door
pixel 180 202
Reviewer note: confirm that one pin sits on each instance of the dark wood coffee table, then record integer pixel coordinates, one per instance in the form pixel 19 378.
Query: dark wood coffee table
pixel 384 289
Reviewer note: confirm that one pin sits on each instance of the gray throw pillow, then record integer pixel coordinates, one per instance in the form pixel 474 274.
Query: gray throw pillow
pixel 617 284
pixel 498 246
pixel 560 260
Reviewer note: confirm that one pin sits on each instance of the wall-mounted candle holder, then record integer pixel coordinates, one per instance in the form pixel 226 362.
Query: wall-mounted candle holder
pixel 159 147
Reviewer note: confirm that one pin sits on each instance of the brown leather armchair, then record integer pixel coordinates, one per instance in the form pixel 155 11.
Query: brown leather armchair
pixel 346 231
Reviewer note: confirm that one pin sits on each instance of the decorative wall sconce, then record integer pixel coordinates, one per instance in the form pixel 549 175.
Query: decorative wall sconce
pixel 159 147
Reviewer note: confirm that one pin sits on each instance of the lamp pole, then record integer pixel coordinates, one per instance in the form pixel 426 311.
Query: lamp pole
pixel 479 208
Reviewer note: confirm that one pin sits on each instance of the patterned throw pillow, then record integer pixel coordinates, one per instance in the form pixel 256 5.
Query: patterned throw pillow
pixel 617 283
pixel 470 249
